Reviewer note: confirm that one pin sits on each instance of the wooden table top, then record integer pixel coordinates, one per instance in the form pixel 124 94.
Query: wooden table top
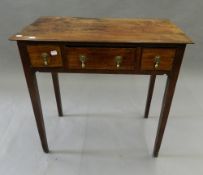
pixel 107 30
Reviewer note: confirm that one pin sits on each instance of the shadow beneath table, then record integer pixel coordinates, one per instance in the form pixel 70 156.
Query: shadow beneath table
pixel 107 115
pixel 122 153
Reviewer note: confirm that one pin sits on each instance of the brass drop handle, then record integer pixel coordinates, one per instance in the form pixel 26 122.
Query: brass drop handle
pixel 118 60
pixel 157 61
pixel 45 57
pixel 82 58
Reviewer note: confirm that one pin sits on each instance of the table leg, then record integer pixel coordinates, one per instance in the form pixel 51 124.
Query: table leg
pixel 167 99
pixel 34 96
pixel 36 104
pixel 57 92
pixel 149 96
pixel 166 104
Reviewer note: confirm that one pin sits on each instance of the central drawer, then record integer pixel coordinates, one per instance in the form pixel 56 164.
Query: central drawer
pixel 94 58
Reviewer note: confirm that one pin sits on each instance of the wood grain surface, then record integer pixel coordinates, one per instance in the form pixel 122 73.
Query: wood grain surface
pixel 167 56
pixel 73 29
pixel 101 58
pixel 35 55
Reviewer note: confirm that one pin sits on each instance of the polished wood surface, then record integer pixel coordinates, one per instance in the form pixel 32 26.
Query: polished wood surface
pixel 101 58
pixel 32 85
pixel 138 41
pixel 166 58
pixel 35 54
pixel 167 100
pixel 107 30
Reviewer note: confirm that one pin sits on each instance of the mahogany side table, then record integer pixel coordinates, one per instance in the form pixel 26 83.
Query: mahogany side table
pixel 92 45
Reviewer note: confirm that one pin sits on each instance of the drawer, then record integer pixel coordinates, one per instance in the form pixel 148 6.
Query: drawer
pixel 157 59
pixel 45 55
pixel 92 58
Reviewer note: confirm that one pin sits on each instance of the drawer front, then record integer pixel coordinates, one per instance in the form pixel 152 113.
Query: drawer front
pixel 100 58
pixel 157 59
pixel 45 55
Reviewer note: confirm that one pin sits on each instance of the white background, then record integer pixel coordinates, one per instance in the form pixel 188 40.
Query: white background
pixel 103 131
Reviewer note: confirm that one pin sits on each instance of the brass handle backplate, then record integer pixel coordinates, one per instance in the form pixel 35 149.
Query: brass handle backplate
pixel 45 57
pixel 82 58
pixel 118 60
pixel 157 60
